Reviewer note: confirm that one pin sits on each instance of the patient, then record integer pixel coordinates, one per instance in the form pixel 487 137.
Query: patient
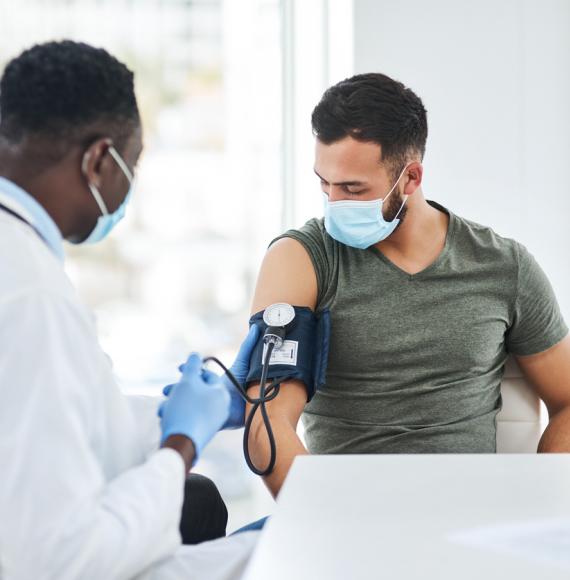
pixel 425 305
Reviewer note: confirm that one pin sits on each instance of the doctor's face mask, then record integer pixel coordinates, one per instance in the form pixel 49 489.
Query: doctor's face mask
pixel 107 221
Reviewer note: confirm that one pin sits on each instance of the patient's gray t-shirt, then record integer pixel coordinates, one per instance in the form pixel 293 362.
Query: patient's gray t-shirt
pixel 416 361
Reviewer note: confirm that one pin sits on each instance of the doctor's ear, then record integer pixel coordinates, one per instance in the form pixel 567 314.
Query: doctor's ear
pixel 93 159
pixel 413 177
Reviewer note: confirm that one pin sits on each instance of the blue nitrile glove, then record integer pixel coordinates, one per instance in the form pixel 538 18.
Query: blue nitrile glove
pixel 197 405
pixel 239 369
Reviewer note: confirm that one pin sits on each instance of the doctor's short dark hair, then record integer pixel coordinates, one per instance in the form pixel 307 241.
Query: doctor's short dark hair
pixel 68 91
pixel 374 108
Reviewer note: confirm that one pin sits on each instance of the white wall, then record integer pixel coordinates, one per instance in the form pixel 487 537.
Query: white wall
pixel 495 78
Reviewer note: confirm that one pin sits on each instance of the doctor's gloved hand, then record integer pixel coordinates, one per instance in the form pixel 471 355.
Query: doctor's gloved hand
pixel 239 369
pixel 197 405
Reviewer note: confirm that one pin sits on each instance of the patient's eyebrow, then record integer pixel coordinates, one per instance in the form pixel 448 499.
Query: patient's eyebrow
pixel 345 183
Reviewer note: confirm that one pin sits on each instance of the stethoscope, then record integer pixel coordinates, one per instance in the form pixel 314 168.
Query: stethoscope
pixel 15 214
pixel 280 319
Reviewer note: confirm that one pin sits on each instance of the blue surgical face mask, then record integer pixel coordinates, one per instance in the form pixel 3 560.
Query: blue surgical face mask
pixel 107 221
pixel 360 224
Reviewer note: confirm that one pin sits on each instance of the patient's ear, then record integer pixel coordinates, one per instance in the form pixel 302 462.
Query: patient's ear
pixel 413 177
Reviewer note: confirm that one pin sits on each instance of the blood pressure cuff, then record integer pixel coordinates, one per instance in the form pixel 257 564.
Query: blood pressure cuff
pixel 303 355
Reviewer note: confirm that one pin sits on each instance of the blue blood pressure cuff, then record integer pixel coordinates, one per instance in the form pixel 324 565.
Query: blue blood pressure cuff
pixel 303 355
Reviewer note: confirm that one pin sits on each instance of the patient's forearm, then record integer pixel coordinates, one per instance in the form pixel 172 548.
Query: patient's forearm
pixel 284 412
pixel 288 446
pixel 556 437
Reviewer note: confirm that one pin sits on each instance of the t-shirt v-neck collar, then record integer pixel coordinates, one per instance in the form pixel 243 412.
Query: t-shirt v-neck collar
pixel 452 226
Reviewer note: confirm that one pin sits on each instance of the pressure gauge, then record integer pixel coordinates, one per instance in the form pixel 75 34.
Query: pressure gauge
pixel 280 314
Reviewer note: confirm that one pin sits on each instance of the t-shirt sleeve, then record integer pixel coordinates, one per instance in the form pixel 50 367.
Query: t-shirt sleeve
pixel 537 323
pixel 313 238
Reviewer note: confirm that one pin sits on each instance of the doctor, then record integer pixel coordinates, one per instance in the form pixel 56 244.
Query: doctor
pixel 91 483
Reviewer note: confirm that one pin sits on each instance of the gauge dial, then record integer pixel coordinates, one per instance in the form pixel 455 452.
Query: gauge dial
pixel 280 314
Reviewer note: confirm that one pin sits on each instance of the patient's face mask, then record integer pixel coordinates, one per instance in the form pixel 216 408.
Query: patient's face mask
pixel 360 224
pixel 107 221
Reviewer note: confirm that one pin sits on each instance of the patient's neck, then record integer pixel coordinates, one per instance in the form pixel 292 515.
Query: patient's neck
pixel 419 239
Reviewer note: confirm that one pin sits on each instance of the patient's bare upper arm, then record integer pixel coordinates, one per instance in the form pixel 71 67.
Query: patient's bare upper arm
pixel 287 275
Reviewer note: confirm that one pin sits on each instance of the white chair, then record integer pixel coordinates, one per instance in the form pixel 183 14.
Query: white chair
pixel 519 421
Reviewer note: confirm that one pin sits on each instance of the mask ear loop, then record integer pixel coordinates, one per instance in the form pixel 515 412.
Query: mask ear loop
pixel 395 184
pixel 393 188
pixel 119 161
pixel 94 191
pixel 401 208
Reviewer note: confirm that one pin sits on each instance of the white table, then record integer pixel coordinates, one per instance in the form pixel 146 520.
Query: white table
pixel 393 516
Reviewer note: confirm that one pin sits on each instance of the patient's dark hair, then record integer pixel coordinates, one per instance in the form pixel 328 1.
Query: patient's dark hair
pixel 68 91
pixel 374 108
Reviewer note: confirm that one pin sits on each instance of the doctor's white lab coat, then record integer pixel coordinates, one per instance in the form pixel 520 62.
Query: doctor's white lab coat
pixel 84 491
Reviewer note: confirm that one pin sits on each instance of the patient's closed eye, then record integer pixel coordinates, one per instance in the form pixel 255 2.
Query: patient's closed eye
pixel 347 189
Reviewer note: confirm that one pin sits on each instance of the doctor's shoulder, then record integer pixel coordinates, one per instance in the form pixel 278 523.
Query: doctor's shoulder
pixel 33 280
